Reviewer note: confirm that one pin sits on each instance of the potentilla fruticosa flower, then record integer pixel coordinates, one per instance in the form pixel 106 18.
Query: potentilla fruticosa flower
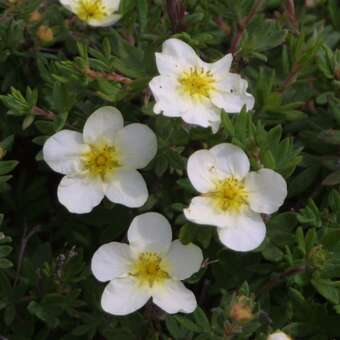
pixel 97 13
pixel 278 335
pixel 194 90
pixel 102 161
pixel 232 198
pixel 150 266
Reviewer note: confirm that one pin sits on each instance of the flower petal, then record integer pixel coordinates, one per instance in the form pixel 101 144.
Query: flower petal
pixel 79 195
pixel 184 260
pixel 137 145
pixel 104 123
pixel 231 159
pixel 150 232
pixel 62 151
pixel 167 65
pixel 168 101
pixel 203 114
pixel 127 187
pixel 107 21
pixel 173 297
pixel 231 94
pixel 181 51
pixel 244 233
pixel 202 171
pixel 267 190
pixel 123 296
pixel 222 66
pixel 110 261
pixel 201 211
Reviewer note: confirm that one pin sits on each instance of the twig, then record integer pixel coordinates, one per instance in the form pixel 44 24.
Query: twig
pixel 109 76
pixel 223 26
pixel 25 238
pixel 243 25
pixel 278 279
pixel 291 77
pixel 290 9
pixel 42 113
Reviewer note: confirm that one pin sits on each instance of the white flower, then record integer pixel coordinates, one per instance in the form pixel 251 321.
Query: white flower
pixel 151 266
pixel 97 13
pixel 188 87
pixel 102 161
pixel 232 198
pixel 278 335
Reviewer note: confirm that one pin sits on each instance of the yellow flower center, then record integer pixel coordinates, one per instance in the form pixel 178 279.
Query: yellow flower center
pixel 91 9
pixel 230 195
pixel 101 160
pixel 197 83
pixel 149 269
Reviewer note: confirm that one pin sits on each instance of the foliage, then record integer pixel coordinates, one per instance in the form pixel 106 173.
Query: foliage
pixel 291 60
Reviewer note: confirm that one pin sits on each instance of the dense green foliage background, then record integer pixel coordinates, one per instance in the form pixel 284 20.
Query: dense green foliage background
pixel 55 71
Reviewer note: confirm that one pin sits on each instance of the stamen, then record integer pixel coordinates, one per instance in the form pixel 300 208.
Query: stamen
pixel 149 269
pixel 100 160
pixel 230 195
pixel 91 9
pixel 198 83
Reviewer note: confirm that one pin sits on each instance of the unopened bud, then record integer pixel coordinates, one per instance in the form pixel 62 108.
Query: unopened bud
pixel 241 309
pixel 2 152
pixel 35 16
pixel 45 34
pixel 337 73
pixel 317 258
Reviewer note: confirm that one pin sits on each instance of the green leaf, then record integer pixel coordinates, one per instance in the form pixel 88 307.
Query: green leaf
pixel 327 289
pixel 7 166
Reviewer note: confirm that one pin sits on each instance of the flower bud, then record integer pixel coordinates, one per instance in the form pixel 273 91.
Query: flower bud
pixel 317 258
pixel 45 34
pixel 35 16
pixel 3 152
pixel 241 309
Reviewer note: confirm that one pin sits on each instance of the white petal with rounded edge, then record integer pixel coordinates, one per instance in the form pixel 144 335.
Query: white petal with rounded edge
pixel 168 101
pixel 112 5
pixel 127 187
pixel 203 172
pixel 123 296
pixel 202 211
pixel 203 114
pixel 173 297
pixel 103 123
pixel 231 94
pixel 181 51
pixel 79 195
pixel 69 4
pixel 278 336
pixel 168 65
pixel 150 232
pixel 232 103
pixel 231 159
pixel 110 261
pixel 183 260
pixel 137 145
pixel 62 151
pixel 267 190
pixel 222 66
pixel 107 21
pixel 244 232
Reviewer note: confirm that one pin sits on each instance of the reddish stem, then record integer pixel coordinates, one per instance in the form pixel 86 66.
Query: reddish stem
pixel 290 8
pixel 42 113
pixel 278 279
pixel 243 25
pixel 109 76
